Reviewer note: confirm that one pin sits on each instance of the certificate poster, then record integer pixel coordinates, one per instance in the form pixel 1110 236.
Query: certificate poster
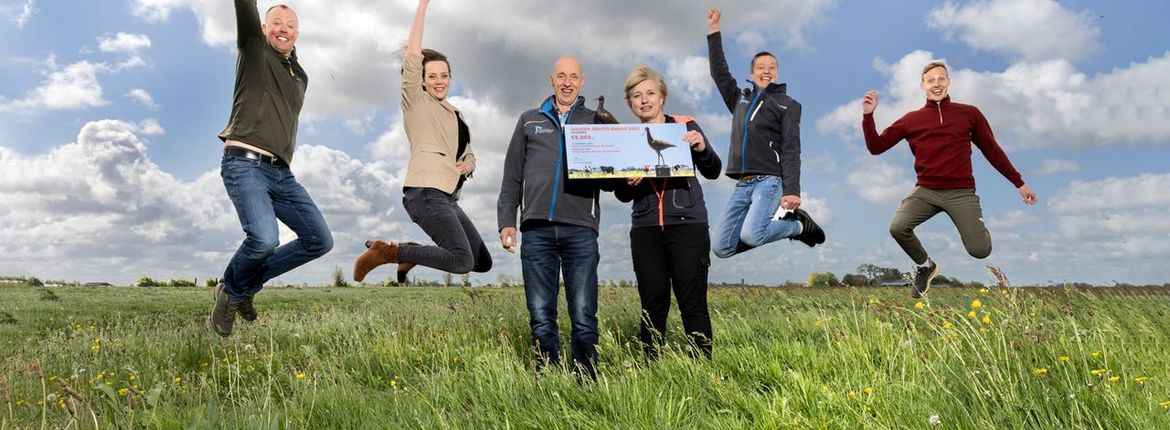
pixel 597 151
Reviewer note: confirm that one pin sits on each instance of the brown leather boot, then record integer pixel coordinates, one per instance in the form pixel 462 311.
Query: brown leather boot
pixel 377 254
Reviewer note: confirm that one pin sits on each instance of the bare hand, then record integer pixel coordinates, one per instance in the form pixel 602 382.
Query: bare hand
pixel 790 202
pixel 870 102
pixel 508 239
pixel 1028 195
pixel 464 168
pixel 695 139
pixel 633 182
pixel 713 16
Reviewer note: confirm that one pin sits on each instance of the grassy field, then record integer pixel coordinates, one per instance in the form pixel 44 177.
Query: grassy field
pixel 459 358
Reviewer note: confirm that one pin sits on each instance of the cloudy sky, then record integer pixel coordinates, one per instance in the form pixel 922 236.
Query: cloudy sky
pixel 109 112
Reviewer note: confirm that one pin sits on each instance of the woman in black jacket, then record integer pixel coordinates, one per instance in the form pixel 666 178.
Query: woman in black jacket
pixel 669 238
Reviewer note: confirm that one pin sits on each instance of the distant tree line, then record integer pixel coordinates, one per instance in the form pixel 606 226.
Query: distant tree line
pixel 869 275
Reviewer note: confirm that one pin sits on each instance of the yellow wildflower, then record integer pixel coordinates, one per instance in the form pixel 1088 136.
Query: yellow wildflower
pixel 300 375
pixel 122 391
pixel 1165 404
pixel 132 378
pixel 987 319
pixel 178 380
pixel 1141 379
pixel 947 324
pixel 1064 358
pixel 1096 354
pixel 971 314
pixel 982 291
pixel 919 305
pixel 868 390
pixel 1040 371
pixel 976 304
pixel 1097 372
pixel 1114 378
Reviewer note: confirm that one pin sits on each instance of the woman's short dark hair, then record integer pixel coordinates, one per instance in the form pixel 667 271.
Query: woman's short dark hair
pixel 761 54
pixel 430 55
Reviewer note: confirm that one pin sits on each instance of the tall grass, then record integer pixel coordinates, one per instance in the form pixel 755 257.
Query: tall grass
pixel 460 358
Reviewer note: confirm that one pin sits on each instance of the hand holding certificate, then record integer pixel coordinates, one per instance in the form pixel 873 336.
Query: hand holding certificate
pixel 597 151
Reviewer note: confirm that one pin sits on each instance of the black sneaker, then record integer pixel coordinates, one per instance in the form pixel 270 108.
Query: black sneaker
pixel 922 280
pixel 223 315
pixel 812 235
pixel 247 311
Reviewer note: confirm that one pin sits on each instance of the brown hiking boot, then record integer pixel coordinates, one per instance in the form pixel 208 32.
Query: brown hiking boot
pixel 377 254
pixel 247 310
pixel 223 315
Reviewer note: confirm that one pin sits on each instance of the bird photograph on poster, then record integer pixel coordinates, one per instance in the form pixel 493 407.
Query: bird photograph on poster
pixel 598 151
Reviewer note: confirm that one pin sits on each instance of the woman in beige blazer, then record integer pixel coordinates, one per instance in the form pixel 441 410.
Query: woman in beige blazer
pixel 440 160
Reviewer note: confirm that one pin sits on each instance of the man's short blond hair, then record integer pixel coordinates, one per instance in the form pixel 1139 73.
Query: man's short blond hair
pixel 934 65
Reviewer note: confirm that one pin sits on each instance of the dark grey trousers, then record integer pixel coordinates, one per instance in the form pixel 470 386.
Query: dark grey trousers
pixel 458 246
pixel 923 203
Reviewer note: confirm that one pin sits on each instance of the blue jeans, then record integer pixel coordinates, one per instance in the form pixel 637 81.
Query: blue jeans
pixel 263 194
pixel 572 251
pixel 747 222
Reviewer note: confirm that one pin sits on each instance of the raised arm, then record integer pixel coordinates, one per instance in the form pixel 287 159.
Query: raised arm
pixel 874 142
pixel 412 69
pixel 719 71
pixel 247 22
pixel 414 42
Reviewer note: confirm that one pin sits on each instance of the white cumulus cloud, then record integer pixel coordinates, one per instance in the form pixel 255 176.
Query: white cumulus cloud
pixel 881 182
pixel 74 87
pixel 1025 29
pixel 1052 166
pixel 142 96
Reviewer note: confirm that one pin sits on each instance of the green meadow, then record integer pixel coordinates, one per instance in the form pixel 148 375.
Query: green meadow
pixel 434 358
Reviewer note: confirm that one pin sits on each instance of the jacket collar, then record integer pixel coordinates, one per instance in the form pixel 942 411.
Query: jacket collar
pixel 772 88
pixel 945 101
pixel 549 107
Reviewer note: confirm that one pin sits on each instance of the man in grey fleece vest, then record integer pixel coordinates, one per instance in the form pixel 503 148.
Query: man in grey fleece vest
pixel 559 221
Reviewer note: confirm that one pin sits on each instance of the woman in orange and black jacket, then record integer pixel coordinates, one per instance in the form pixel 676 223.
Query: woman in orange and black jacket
pixel 669 238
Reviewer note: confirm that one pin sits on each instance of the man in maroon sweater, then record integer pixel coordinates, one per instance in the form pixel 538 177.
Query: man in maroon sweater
pixel 940 136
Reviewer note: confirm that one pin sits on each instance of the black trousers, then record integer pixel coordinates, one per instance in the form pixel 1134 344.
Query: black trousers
pixel 675 257
pixel 458 246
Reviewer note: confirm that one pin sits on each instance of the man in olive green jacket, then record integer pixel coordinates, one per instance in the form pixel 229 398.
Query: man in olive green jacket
pixel 258 146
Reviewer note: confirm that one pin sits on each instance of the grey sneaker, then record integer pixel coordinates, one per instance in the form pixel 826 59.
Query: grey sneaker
pixel 922 280
pixel 223 315
pixel 247 311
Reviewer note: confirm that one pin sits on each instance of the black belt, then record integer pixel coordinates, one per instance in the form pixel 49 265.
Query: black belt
pixel 239 151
